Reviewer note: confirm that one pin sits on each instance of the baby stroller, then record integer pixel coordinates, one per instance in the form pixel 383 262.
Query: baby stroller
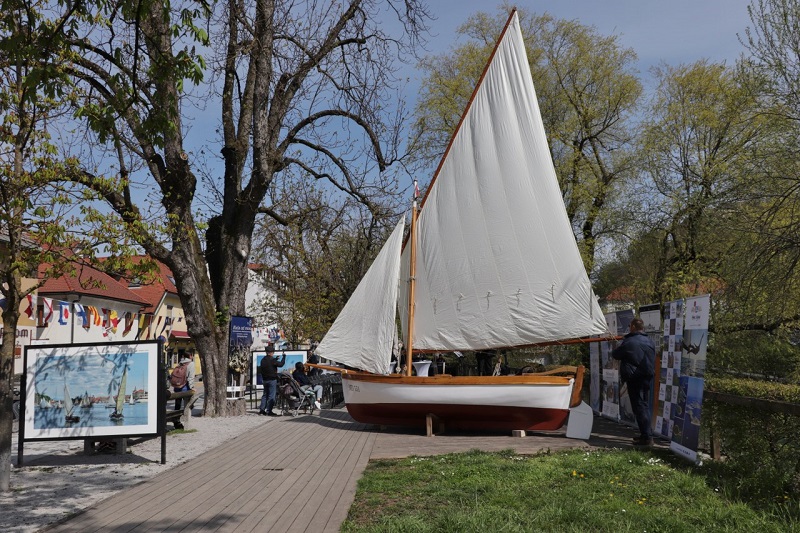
pixel 292 398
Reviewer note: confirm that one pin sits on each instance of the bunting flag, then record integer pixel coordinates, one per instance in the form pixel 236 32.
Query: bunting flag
pixel 63 313
pixel 48 310
pixel 144 320
pixel 80 312
pixel 167 322
pixel 128 323
pixel 31 309
pixel 96 318
pixel 104 321
pixel 113 319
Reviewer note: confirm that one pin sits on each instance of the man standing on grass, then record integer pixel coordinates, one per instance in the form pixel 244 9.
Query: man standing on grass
pixel 637 356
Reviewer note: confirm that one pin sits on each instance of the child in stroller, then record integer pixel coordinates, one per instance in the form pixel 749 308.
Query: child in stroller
pixel 292 397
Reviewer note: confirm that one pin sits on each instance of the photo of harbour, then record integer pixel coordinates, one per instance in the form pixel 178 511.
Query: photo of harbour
pixel 101 390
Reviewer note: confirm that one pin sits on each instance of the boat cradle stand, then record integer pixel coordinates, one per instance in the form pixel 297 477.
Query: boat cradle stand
pixel 433 425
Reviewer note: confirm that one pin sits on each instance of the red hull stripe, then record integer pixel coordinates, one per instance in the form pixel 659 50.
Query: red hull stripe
pixel 467 417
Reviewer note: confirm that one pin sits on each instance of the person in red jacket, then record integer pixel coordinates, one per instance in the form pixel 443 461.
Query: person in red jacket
pixel 637 356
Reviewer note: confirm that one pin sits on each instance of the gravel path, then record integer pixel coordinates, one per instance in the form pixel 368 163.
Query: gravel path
pixel 61 480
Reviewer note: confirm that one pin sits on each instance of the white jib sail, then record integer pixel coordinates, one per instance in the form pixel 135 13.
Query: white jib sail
pixel 497 262
pixel 362 334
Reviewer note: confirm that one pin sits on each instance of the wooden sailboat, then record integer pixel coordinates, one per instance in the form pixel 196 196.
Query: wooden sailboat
pixel 491 262
pixel 69 407
pixel 120 405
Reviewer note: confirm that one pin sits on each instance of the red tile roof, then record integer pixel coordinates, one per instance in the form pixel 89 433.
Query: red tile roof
pixel 90 282
pixel 153 292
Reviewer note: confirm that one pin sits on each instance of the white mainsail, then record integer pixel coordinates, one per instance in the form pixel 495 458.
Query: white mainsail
pixel 497 263
pixel 123 384
pixel 363 333
pixel 68 405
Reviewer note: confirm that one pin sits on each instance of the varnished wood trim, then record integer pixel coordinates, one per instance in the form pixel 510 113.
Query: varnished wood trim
pixel 527 379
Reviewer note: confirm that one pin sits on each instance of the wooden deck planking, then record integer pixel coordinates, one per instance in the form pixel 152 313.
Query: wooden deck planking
pixel 278 510
pixel 333 512
pixel 292 474
pixel 253 476
pixel 332 482
pixel 171 486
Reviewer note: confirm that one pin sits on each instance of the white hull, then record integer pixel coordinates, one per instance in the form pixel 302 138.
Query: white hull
pixel 496 403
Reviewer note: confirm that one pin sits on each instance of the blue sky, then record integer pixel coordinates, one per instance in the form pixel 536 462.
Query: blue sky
pixel 671 32
pixel 674 31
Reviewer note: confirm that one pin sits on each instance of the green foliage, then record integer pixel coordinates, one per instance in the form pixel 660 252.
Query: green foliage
pixel 756 352
pixel 222 317
pixel 760 449
pixel 751 388
pixel 606 490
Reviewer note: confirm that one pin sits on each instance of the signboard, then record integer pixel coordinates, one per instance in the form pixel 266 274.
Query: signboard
pixel 687 406
pixel 91 390
pixel 292 357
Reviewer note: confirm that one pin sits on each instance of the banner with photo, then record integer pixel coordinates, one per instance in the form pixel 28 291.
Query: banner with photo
pixel 613 402
pixel 240 339
pixel 670 367
pixel 91 390
pixel 686 410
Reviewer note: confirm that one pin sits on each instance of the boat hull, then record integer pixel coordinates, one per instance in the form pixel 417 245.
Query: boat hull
pixel 496 403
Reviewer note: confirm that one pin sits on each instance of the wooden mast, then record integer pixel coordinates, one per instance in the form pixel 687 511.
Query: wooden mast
pixel 412 281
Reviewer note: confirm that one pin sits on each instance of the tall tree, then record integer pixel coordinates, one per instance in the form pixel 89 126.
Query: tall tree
pixel 35 212
pixel 774 69
pixel 698 150
pixel 588 90
pixel 314 263
pixel 304 88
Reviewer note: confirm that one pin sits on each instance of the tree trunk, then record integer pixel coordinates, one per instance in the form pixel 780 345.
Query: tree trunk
pixel 207 319
pixel 10 320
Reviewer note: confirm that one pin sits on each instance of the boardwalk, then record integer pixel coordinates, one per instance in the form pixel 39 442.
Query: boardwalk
pixel 291 474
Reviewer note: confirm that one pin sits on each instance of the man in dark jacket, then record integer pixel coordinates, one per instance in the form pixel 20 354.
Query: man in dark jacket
pixel 269 377
pixel 637 356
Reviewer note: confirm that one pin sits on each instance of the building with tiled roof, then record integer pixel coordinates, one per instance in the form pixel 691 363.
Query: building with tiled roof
pixel 162 315
pixel 85 306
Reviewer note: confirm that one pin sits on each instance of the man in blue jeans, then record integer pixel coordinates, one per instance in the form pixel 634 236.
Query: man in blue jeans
pixel 269 377
pixel 637 356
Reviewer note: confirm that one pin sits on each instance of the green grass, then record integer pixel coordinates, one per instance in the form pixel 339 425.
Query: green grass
pixel 607 490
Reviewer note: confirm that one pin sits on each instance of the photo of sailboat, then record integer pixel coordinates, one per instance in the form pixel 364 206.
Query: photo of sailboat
pixel 86 402
pixel 120 404
pixel 490 262
pixel 102 373
pixel 69 417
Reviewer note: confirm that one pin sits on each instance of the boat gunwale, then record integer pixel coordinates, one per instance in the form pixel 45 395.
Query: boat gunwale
pixel 448 380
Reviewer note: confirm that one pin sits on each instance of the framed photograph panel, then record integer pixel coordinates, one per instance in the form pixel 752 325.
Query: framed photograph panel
pixel 91 390
pixel 292 357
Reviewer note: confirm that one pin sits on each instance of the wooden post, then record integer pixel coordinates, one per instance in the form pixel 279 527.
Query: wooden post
pixel 433 425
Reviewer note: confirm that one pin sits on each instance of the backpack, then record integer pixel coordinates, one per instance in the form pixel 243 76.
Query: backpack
pixel 178 377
